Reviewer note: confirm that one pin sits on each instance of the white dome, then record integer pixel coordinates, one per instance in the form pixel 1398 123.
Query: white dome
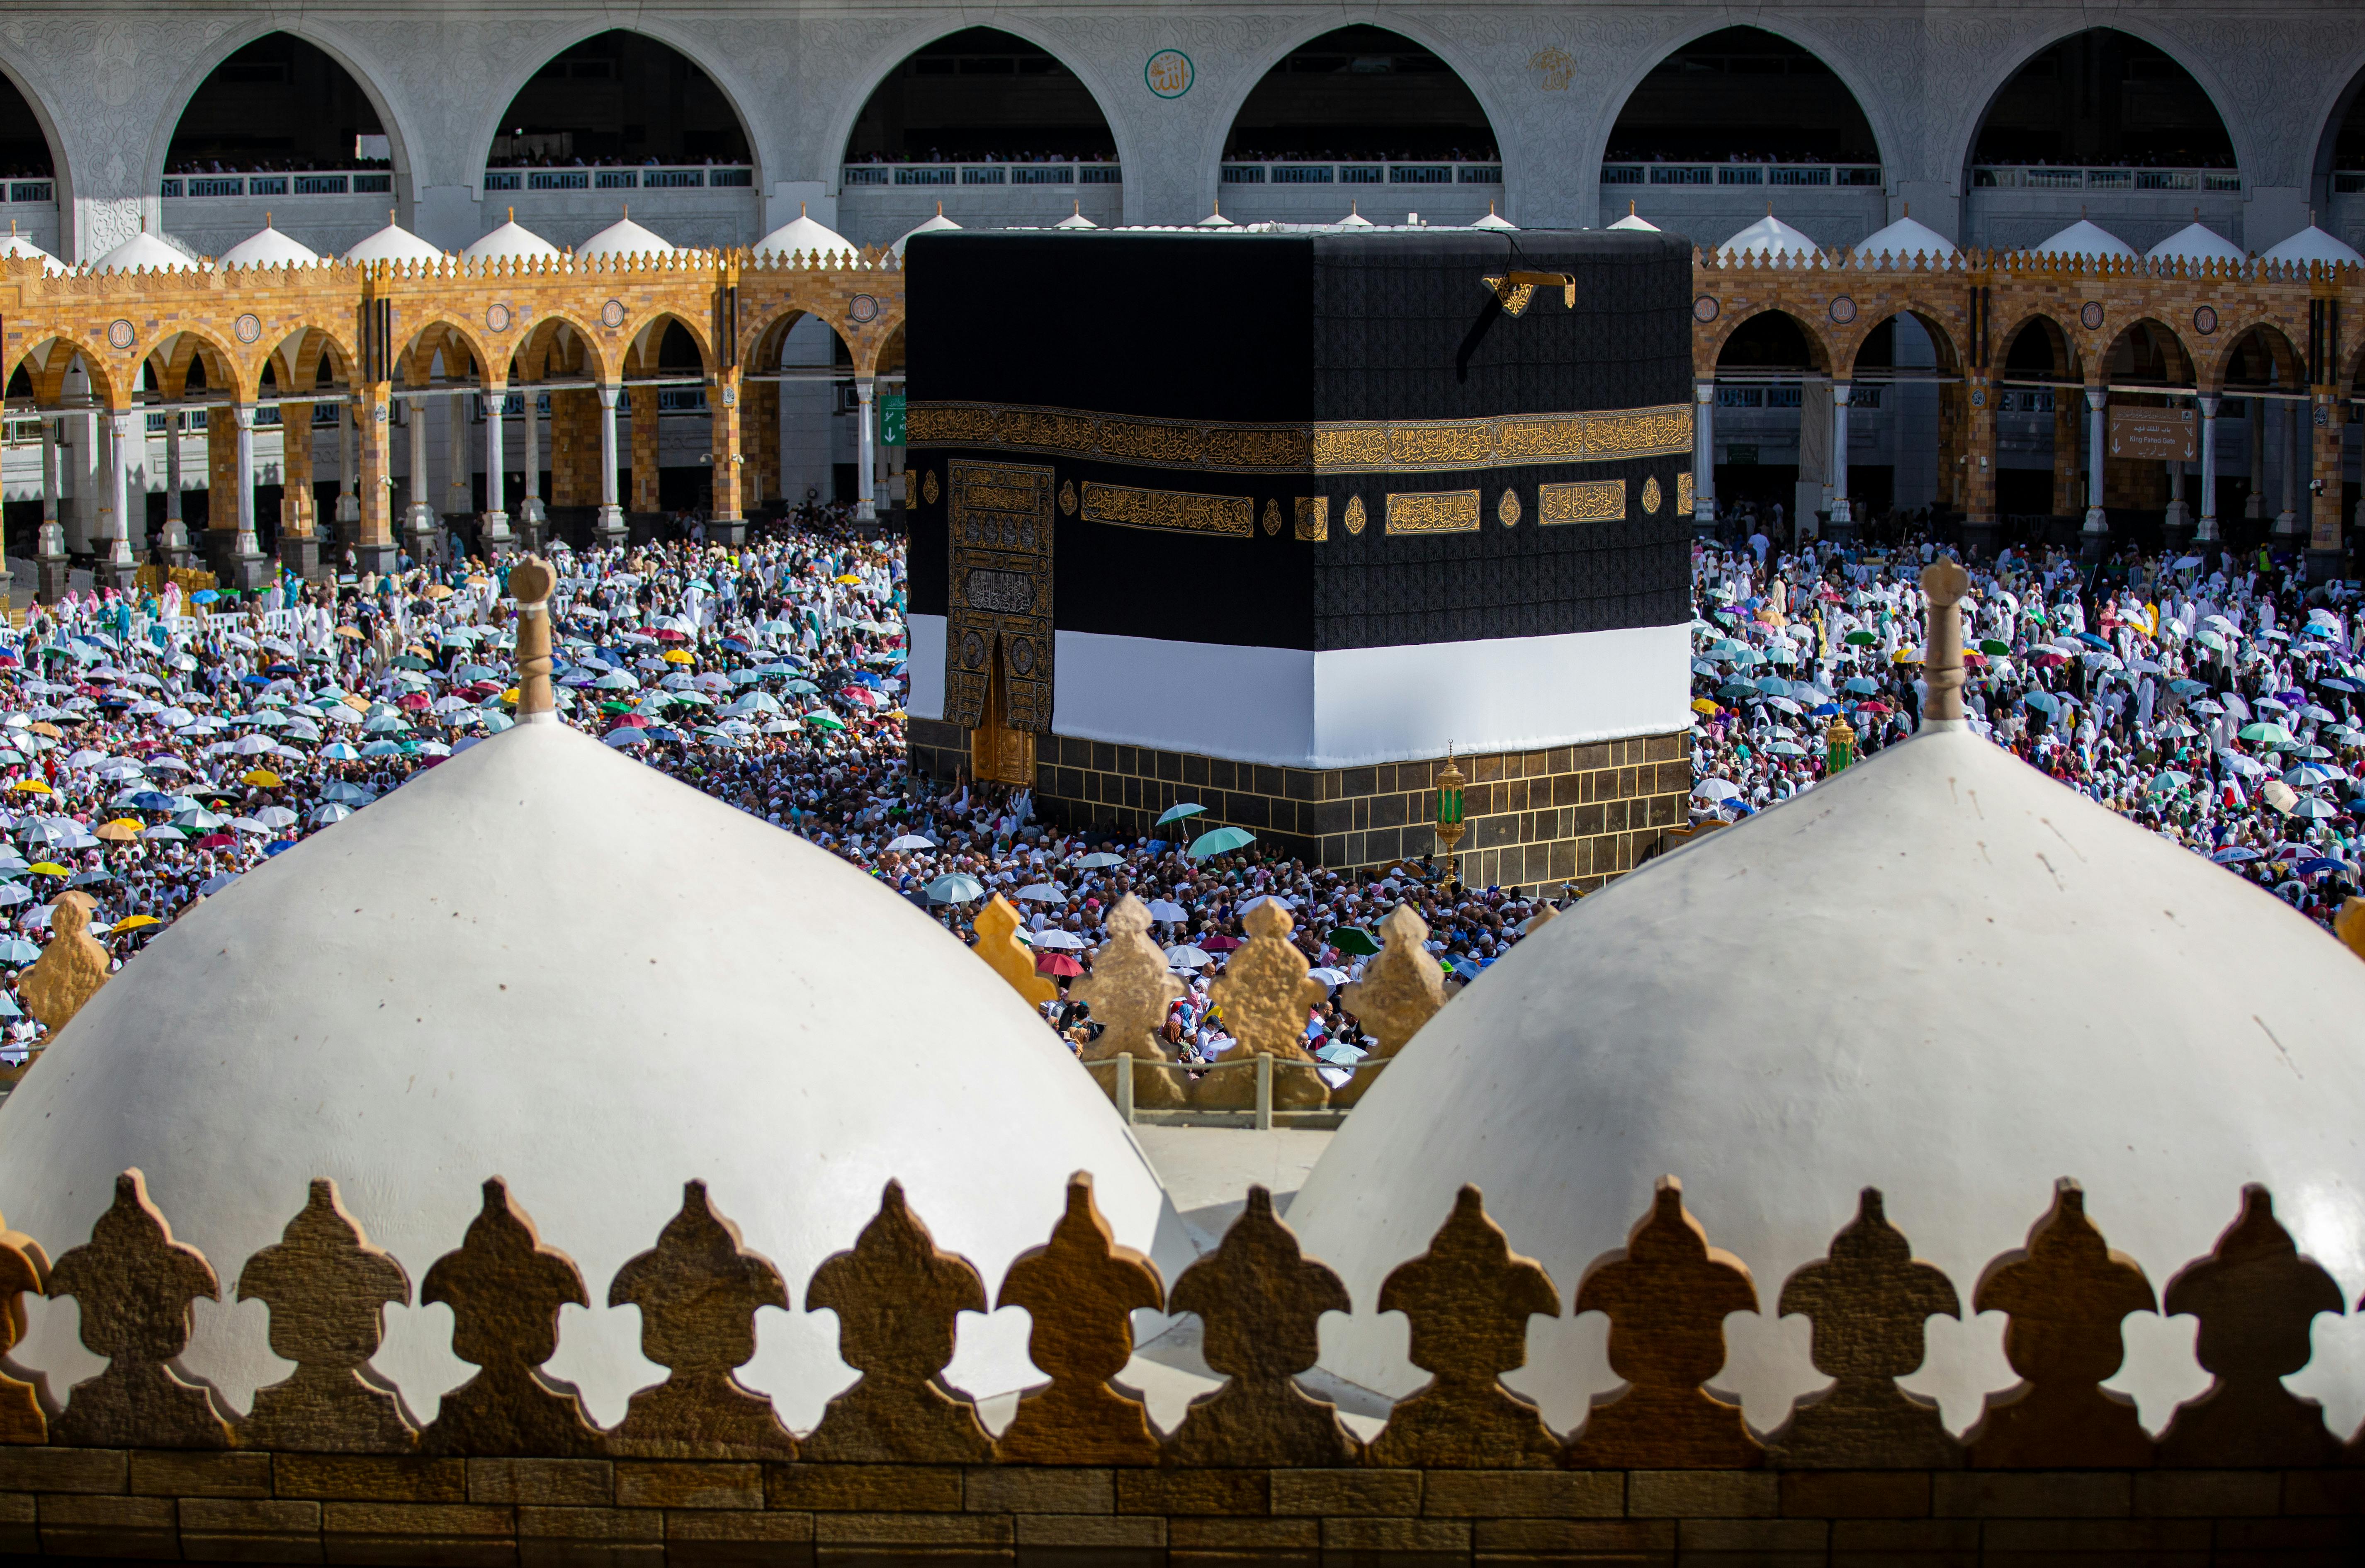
pixel 512 241
pixel 1905 240
pixel 16 244
pixel 393 243
pixel 1769 236
pixel 941 222
pixel 1940 974
pixel 1494 219
pixel 267 247
pixel 626 238
pixel 1075 220
pixel 2196 241
pixel 1215 219
pixel 2313 244
pixel 2084 239
pixel 1355 219
pixel 144 253
pixel 545 961
pixel 1636 222
pixel 804 237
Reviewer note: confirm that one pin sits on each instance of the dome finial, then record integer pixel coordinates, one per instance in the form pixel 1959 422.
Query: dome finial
pixel 1944 583
pixel 531 583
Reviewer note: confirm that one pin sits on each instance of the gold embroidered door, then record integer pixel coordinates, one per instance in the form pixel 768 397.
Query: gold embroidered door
pixel 998 650
pixel 998 753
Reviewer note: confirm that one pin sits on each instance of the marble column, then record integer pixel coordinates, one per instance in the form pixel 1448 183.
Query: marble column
pixel 1704 458
pixel 2097 531
pixel 530 514
pixel 2255 508
pixel 1841 514
pixel 609 529
pixel 115 565
pixel 175 541
pixel 2287 527
pixel 348 502
pixel 866 451
pixel 2206 532
pixel 493 530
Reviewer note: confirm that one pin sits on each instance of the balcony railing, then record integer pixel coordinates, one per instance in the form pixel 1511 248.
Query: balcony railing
pixel 352 183
pixel 33 190
pixel 2349 182
pixel 699 176
pixel 1363 173
pixel 872 176
pixel 1758 175
pixel 2051 177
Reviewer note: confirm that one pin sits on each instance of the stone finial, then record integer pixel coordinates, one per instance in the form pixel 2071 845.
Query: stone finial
pixel 1260 1299
pixel 531 583
pixel 505 1288
pixel 897 1296
pixel 328 1289
pixel 72 967
pixel 23 1402
pixel 1401 990
pixel 134 1284
pixel 1869 1302
pixel 2257 1297
pixel 1666 1296
pixel 2349 925
pixel 1944 584
pixel 1129 991
pixel 2064 1295
pixel 1266 994
pixel 1469 1298
pixel 998 945
pixel 698 1291
pixel 1081 1289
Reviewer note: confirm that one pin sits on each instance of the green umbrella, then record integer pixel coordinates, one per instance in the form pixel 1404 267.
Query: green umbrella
pixel 825 721
pixel 1994 649
pixel 2266 735
pixel 409 661
pixel 1176 813
pixel 1222 841
pixel 1354 940
pixel 1861 639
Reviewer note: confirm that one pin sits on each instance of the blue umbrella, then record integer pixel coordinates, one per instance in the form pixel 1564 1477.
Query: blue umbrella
pixel 2043 703
pixel 956 887
pixel 1863 686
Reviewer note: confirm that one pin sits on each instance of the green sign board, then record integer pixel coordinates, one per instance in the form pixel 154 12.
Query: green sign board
pixel 890 419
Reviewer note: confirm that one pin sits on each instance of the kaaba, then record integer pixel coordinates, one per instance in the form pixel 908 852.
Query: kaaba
pixel 1272 522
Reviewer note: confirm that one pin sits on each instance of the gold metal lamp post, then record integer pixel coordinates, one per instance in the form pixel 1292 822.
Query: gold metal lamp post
pixel 1449 810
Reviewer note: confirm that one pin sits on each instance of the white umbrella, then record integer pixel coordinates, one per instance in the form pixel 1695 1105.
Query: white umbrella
pixel 1167 910
pixel 1715 789
pixel 1042 892
pixel 1186 959
pixel 1065 941
pixel 911 841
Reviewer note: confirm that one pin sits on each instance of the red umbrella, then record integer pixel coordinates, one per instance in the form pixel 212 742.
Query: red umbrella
pixel 217 841
pixel 1221 944
pixel 1057 964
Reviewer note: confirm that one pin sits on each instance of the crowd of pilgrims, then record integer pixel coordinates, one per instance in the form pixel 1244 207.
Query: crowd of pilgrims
pixel 2212 700
pixel 153 750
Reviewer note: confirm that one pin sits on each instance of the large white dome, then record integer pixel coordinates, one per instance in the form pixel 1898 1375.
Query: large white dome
pixel 545 961
pixel 1940 974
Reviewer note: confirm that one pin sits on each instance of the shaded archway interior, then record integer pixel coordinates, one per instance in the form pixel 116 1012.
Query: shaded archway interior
pixel 615 98
pixel 2103 97
pixel 1742 95
pixel 976 94
pixel 278 103
pixel 2347 134
pixel 1360 93
pixel 24 149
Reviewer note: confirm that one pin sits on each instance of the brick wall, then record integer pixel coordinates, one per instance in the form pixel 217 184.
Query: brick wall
pixel 531 1513
pixel 643 497
pixel 574 448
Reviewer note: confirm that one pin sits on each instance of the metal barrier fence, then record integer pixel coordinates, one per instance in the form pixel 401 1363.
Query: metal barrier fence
pixel 2049 177
pixel 1791 174
pixel 1362 173
pixel 699 176
pixel 360 183
pixel 872 176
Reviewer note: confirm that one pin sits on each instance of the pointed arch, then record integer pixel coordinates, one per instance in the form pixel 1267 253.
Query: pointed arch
pixel 2004 70
pixel 648 26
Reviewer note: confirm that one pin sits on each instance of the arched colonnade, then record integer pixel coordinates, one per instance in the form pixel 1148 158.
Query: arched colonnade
pixel 239 347
pixel 2094 334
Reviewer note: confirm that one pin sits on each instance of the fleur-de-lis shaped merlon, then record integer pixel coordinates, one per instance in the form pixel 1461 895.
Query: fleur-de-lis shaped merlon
pixel 1869 1302
pixel 1469 1299
pixel 1401 990
pixel 24 1401
pixel 998 945
pixel 1081 1290
pixel 328 1290
pixel 2066 1294
pixel 1666 1296
pixel 1266 995
pixel 2257 1297
pixel 698 1290
pixel 135 1285
pixel 1260 1298
pixel 505 1288
pixel 897 1296
pixel 1129 991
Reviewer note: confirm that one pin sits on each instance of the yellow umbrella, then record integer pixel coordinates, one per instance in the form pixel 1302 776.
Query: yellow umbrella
pixel 679 656
pixel 437 590
pixel 29 787
pixel 849 577
pixel 134 922
pixel 120 829
pixel 354 632
pixel 1906 657
pixel 510 696
pixel 262 779
pixel 46 868
pixel 1702 705
pixel 46 728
